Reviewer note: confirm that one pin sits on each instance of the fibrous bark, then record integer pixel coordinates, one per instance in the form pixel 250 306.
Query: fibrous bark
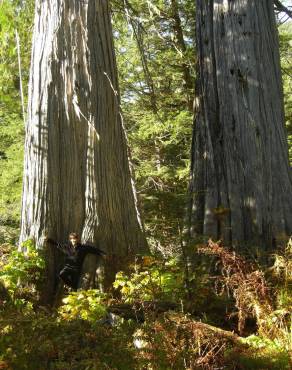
pixel 76 173
pixel 241 182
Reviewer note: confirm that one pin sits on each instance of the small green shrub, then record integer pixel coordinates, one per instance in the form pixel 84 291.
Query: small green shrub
pixel 86 305
pixel 264 353
pixel 152 279
pixel 21 272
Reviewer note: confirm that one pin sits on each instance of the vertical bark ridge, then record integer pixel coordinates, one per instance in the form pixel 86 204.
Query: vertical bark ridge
pixel 77 175
pixel 239 141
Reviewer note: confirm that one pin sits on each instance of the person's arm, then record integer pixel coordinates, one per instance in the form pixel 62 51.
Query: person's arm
pixel 93 250
pixel 61 247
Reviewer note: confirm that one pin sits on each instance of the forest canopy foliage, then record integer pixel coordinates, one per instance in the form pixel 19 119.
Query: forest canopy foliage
pixel 175 308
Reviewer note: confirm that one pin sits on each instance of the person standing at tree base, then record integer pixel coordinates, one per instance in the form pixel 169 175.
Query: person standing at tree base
pixel 75 254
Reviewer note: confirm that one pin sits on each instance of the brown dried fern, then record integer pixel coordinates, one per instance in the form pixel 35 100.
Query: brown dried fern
pixel 247 284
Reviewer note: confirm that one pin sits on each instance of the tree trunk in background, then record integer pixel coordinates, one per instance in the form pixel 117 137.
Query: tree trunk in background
pixel 181 45
pixel 241 182
pixel 76 171
pixel 92 274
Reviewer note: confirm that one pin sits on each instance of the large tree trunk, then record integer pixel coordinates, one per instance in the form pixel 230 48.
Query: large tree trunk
pixel 76 174
pixel 241 182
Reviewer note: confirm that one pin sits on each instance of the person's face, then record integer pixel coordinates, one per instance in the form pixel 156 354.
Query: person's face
pixel 73 240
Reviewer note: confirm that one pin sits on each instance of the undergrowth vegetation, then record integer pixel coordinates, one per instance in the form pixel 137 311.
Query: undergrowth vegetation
pixel 152 321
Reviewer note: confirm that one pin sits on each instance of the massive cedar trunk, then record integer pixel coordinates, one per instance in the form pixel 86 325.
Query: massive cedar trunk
pixel 77 175
pixel 241 182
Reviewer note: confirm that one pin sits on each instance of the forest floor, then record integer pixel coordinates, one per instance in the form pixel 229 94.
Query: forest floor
pixel 238 317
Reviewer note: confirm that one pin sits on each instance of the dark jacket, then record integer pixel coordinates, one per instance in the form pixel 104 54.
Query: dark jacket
pixel 75 256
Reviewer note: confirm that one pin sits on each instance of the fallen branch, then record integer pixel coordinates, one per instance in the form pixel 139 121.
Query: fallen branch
pixel 138 310
pixel 219 332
